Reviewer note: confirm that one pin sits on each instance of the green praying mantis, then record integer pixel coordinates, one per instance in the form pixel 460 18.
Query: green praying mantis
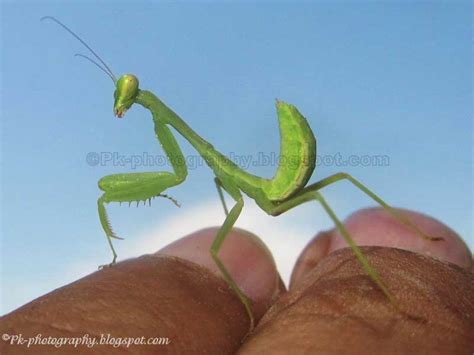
pixel 287 189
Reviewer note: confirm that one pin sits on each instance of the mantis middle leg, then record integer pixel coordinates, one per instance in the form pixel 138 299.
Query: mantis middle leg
pixel 229 222
pixel 221 194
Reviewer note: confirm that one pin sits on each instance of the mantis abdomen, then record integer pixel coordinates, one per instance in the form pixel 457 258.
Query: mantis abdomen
pixel 297 154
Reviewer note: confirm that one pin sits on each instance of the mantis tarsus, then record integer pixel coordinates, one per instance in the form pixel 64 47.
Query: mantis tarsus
pixel 285 190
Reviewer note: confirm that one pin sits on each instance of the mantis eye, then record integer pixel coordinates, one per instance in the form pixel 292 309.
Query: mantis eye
pixel 127 85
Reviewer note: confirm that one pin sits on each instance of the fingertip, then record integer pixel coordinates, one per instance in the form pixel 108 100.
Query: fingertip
pixel 148 297
pixel 245 257
pixel 338 309
pixel 374 226
pixel 311 255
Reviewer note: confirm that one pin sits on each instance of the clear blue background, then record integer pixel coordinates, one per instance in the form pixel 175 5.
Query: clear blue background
pixel 382 78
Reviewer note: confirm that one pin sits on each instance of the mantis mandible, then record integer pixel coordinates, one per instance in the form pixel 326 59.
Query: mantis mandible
pixel 287 189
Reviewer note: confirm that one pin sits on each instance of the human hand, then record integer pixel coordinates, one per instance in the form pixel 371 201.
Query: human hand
pixel 332 306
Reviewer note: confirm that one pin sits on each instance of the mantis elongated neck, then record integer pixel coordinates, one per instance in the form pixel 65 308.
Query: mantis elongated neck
pixel 163 113
pixel 218 162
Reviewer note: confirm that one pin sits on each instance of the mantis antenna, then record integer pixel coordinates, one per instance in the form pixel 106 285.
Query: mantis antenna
pixel 105 69
pixel 96 64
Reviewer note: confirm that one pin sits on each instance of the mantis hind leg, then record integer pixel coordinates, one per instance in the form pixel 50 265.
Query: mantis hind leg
pixel 358 253
pixel 311 194
pixel 229 222
pixel 393 212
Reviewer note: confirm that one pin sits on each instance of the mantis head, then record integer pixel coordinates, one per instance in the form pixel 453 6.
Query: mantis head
pixel 126 87
pixel 125 94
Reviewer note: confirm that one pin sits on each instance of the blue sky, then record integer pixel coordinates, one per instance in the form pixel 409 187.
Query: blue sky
pixel 378 79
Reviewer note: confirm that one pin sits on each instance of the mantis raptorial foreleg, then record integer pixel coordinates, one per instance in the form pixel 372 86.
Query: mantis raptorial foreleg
pixel 137 187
